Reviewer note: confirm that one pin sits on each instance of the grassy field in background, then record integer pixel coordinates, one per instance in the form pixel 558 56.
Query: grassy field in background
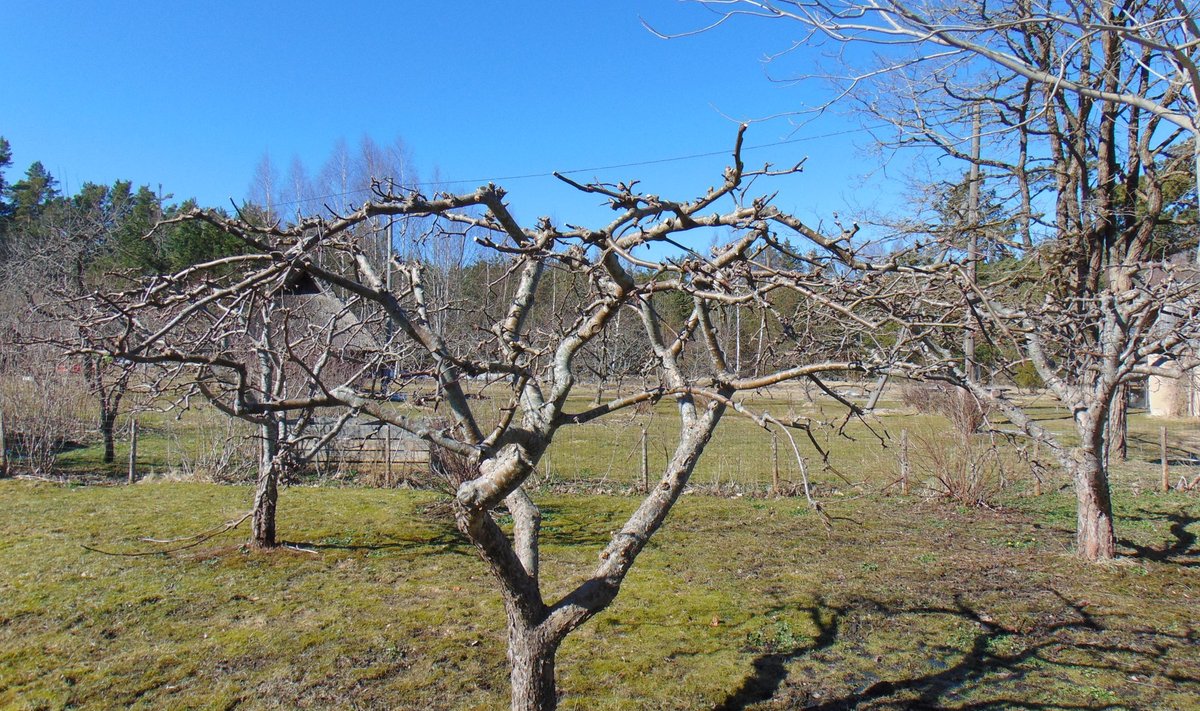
pixel 605 455
pixel 739 602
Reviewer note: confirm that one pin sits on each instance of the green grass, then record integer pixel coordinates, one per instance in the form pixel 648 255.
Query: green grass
pixel 749 602
pixel 734 603
pixel 605 455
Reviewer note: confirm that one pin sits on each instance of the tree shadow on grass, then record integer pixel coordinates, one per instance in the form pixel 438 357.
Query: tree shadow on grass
pixel 563 527
pixel 1179 551
pixel 770 669
pixel 995 652
pixel 559 528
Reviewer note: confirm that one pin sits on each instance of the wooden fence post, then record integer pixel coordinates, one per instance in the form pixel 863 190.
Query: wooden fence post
pixel 1162 450
pixel 387 453
pixel 133 435
pixel 904 462
pixel 774 462
pixel 645 461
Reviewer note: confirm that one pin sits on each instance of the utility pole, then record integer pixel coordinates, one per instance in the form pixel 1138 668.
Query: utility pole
pixel 972 244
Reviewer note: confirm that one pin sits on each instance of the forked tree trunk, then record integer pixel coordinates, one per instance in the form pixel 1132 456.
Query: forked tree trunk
pixel 1094 536
pixel 266 489
pixel 531 663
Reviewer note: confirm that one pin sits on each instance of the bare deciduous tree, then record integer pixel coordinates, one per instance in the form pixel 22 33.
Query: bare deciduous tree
pixel 847 305
pixel 1087 108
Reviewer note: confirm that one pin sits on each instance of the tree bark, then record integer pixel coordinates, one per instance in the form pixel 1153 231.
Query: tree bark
pixel 108 425
pixel 531 653
pixel 1118 426
pixel 266 490
pixel 1094 537
pixel 266 495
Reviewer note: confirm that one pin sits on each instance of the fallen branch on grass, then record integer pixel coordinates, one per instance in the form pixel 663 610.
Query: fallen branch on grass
pixel 193 540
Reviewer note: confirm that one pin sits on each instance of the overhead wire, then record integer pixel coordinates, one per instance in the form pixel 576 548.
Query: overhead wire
pixel 550 174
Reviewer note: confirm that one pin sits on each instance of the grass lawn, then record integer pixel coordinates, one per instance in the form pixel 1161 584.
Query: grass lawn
pixel 605 455
pixel 750 602
pixel 737 603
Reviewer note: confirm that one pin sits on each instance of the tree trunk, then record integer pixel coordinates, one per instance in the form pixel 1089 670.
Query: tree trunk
pixel 531 661
pixel 266 494
pixel 1118 426
pixel 266 490
pixel 108 425
pixel 1094 537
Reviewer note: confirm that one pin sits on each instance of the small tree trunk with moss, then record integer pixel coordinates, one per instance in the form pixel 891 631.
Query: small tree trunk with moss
pixel 108 426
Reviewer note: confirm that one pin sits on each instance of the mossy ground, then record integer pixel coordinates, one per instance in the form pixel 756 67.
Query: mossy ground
pixel 737 603
pixel 908 601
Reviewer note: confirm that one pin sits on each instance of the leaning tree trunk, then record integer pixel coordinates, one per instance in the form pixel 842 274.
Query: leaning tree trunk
pixel 1094 537
pixel 266 490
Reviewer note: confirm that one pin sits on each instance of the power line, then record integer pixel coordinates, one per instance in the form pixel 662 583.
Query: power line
pixel 658 160
pixel 635 164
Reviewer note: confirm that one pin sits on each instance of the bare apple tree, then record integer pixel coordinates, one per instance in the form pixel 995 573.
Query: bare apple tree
pixel 839 316
pixel 251 337
pixel 1087 111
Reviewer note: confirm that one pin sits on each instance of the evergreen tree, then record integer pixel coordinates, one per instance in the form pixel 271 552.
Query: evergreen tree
pixel 193 242
pixel 31 196
pixel 5 161
pixel 132 244
pixel 994 227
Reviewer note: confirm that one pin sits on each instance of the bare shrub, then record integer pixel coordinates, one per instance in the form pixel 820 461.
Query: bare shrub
pixel 964 469
pixel 221 450
pixel 45 412
pixel 448 470
pixel 967 414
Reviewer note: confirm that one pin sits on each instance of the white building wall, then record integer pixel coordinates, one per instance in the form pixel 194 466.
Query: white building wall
pixel 1174 397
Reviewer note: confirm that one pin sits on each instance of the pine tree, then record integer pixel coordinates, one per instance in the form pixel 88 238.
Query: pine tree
pixel 31 196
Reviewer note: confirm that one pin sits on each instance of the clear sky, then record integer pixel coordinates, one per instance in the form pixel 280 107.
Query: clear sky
pixel 192 95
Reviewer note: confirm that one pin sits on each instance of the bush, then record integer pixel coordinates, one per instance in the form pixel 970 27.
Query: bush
pixel 1026 377
pixel 963 469
pixel 223 450
pixel 966 413
pixel 45 412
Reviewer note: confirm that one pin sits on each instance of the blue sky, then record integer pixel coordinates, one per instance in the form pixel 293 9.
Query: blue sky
pixel 192 95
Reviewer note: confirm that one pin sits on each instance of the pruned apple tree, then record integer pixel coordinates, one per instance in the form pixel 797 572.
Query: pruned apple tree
pixel 824 310
pixel 1081 117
